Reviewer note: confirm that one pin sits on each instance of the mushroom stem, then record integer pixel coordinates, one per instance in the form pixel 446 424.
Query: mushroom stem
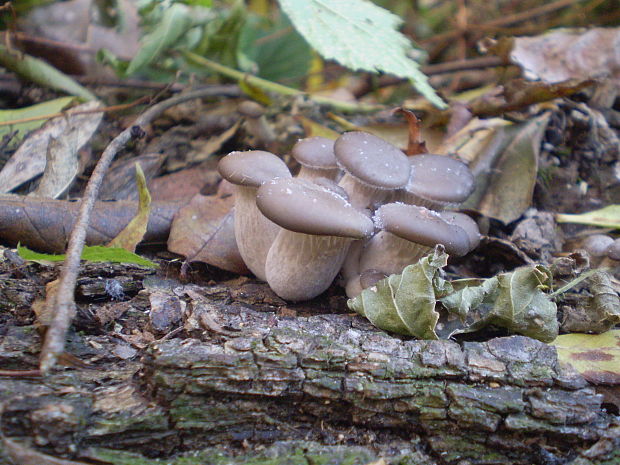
pixel 390 254
pixel 301 266
pixel 311 174
pixel 254 233
pixel 362 195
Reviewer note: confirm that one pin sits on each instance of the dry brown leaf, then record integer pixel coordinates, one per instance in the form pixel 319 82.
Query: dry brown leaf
pixel 29 160
pixel 203 231
pixel 134 232
pixel 45 224
pixel 565 54
pixel 119 182
pixel 185 184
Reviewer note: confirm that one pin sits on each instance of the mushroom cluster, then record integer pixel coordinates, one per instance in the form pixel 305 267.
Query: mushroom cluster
pixel 358 206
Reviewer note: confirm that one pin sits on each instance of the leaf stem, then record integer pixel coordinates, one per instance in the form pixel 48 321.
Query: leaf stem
pixel 271 86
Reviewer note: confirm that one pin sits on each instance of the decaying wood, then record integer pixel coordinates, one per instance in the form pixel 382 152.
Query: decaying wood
pixel 325 385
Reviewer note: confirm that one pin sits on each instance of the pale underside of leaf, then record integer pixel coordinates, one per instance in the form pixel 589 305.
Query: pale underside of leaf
pixel 360 36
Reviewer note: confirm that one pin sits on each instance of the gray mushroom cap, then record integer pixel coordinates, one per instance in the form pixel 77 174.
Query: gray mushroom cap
pixel 440 178
pixel 304 207
pixel 613 251
pixel 252 168
pixel 372 160
pixel 316 153
pixel 422 226
pixel 465 222
pixel 597 245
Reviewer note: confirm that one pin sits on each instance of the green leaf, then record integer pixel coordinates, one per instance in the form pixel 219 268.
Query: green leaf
pixel 405 303
pixel 515 301
pixel 273 50
pixel 175 22
pixel 608 217
pixel 360 36
pixel 39 72
pixel 596 357
pixel 39 110
pixel 95 253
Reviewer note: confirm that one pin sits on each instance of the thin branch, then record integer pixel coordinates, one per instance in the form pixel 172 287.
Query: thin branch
pixel 505 21
pixel 63 305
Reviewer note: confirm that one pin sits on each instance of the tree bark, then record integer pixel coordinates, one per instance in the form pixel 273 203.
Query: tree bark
pixel 253 385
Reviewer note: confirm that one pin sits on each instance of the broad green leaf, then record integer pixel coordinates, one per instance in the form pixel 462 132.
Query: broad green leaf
pixel 273 50
pixel 595 356
pixel 360 36
pixel 134 232
pixel 515 301
pixel 39 72
pixel 607 217
pixel 35 111
pixel 96 253
pixel 405 304
pixel 176 21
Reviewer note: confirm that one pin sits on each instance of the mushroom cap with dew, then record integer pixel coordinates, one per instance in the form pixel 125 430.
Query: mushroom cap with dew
pixel 372 160
pixel 597 245
pixel 613 251
pixel 422 226
pixel 304 207
pixel 315 153
pixel 252 168
pixel 440 178
pixel 465 222
pixel 317 228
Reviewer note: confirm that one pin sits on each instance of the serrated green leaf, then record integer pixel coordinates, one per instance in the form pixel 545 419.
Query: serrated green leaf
pixel 607 217
pixel 96 253
pixel 39 72
pixel 39 110
pixel 360 36
pixel 175 22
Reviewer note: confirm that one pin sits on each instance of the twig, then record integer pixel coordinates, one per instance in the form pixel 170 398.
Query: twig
pixel 277 88
pixel 504 21
pixel 63 305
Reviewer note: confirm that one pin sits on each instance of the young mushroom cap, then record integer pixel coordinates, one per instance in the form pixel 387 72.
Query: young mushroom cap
pixel 373 167
pixel 465 222
pixel 253 232
pixel 316 157
pixel 252 168
pixel 408 233
pixel 423 226
pixel 318 226
pixel 437 181
pixel 613 251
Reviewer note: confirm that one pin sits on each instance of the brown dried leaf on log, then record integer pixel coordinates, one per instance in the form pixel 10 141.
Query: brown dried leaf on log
pixel 44 224
pixel 203 231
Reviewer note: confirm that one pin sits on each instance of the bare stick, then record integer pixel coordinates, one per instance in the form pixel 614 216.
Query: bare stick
pixel 63 305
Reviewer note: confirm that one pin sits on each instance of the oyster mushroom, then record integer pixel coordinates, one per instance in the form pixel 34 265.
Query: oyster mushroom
pixel 253 232
pixel 436 181
pixel 316 157
pixel 373 167
pixel 408 233
pixel 318 226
